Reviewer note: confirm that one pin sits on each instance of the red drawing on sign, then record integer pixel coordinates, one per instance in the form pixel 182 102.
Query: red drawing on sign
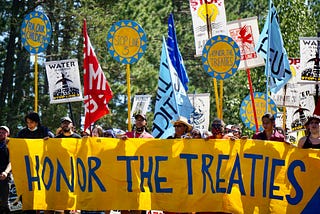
pixel 244 38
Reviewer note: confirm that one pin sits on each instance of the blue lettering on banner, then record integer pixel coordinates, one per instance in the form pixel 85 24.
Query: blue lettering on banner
pixel 236 168
pixel 158 179
pixel 254 158
pixel 146 174
pixel 128 167
pixel 94 164
pixel 205 171
pixel 275 163
pixel 220 180
pixel 189 157
pixel 150 167
pixel 294 182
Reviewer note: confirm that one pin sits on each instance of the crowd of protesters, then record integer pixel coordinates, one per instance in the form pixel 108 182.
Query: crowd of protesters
pixel 182 129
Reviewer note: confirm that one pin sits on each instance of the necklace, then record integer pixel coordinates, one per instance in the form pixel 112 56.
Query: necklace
pixel 140 136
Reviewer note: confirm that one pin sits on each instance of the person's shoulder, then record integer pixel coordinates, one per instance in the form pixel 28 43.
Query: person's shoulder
pixel 22 133
pixel 76 135
pixel 227 136
pixel 59 136
pixel 257 135
pixel 302 141
pixel 148 135
pixel 279 136
pixel 130 134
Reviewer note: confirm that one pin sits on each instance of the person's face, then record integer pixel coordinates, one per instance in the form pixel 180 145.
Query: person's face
pixel 196 134
pixel 236 132
pixel 179 129
pixel 267 124
pixel 3 134
pixel 66 126
pixel 31 124
pixel 95 133
pixel 314 125
pixel 140 122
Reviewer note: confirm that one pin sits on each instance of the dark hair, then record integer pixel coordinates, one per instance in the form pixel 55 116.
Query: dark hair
pixel 218 121
pixel 269 116
pixel 34 116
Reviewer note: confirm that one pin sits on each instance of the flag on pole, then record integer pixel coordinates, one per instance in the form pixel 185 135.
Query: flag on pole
pixel 175 55
pixel 97 92
pixel 271 48
pixel 172 100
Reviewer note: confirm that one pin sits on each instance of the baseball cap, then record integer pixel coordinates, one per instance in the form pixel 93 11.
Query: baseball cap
pixel 5 128
pixel 141 115
pixel 66 119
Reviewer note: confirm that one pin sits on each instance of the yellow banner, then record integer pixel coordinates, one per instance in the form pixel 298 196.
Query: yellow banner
pixel 183 175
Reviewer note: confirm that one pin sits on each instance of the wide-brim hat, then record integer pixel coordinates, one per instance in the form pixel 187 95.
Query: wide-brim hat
pixel 184 121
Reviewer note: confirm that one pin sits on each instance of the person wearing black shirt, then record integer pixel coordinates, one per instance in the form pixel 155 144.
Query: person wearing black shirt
pixel 67 129
pixel 5 169
pixel 34 129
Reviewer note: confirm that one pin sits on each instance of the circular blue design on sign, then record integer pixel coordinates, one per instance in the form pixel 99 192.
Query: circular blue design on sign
pixel 221 57
pixel 246 110
pixel 36 32
pixel 126 41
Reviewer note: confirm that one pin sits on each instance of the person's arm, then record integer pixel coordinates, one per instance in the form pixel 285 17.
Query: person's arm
pixel 5 173
pixel 302 141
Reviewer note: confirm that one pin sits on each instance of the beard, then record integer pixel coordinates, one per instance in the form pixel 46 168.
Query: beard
pixel 66 129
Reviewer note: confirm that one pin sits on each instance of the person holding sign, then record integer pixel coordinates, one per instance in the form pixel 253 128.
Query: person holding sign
pixel 67 129
pixel 217 129
pixel 182 128
pixel 269 132
pixel 312 140
pixel 34 129
pixel 5 169
pixel 140 128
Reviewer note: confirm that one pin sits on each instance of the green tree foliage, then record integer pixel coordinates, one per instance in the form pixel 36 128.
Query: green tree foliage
pixel 17 69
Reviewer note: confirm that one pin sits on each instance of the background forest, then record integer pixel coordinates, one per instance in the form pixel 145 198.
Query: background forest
pixel 298 18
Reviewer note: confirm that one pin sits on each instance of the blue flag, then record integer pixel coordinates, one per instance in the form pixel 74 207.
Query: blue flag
pixel 271 47
pixel 175 55
pixel 172 100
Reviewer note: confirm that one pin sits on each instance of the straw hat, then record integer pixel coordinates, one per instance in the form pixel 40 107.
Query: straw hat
pixel 184 121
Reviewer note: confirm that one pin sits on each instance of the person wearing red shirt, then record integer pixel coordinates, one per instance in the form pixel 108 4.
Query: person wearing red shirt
pixel 269 132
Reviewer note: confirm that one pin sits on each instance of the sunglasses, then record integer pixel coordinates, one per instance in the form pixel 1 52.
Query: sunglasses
pixel 216 125
pixel 177 126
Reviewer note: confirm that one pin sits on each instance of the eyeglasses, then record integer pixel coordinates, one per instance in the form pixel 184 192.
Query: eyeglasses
pixel 216 125
pixel 178 126
pixel 140 120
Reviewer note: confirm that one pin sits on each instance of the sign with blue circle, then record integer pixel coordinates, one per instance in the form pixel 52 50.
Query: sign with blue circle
pixel 246 110
pixel 36 32
pixel 126 41
pixel 221 57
